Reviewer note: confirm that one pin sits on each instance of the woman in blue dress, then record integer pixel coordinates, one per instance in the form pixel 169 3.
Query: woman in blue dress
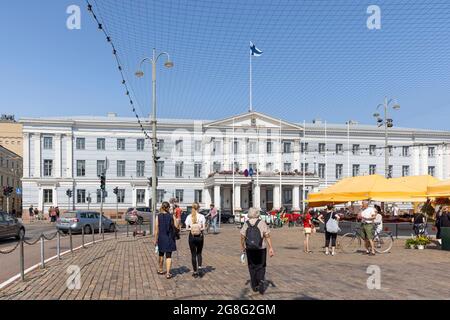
pixel 165 238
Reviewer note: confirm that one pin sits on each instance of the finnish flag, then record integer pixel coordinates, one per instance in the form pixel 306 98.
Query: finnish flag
pixel 254 50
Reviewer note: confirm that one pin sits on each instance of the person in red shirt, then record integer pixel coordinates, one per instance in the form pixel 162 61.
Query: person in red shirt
pixel 177 211
pixel 307 228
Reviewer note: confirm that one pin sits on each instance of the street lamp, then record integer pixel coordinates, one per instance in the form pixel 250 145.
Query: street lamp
pixel 387 123
pixel 140 74
pixel 349 123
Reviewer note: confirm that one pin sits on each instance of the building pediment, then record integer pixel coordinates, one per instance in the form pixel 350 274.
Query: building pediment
pixel 254 120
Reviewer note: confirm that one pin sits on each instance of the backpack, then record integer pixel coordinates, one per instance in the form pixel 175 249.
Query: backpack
pixel 253 238
pixel 196 228
pixel 332 225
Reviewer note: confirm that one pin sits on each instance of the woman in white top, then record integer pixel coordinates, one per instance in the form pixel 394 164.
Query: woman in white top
pixel 195 224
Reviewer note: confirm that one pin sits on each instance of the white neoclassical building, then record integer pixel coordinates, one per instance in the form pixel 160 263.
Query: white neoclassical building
pixel 205 160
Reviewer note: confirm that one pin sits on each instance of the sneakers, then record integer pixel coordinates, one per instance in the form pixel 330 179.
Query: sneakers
pixel 333 253
pixel 327 253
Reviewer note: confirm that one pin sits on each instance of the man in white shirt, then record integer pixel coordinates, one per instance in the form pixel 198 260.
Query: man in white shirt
pixel 368 215
pixel 396 210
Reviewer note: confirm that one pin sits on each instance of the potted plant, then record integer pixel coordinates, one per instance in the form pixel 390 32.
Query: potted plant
pixel 410 243
pixel 421 242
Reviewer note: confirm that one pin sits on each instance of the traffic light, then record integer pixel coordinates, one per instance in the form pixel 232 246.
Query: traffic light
pixel 69 193
pixel 116 190
pixel 103 182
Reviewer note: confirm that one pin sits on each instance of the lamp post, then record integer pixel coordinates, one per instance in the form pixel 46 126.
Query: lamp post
pixel 349 123
pixel 387 123
pixel 139 74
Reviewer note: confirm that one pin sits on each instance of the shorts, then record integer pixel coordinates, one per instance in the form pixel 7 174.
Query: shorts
pixel 367 231
pixel 168 254
pixel 307 230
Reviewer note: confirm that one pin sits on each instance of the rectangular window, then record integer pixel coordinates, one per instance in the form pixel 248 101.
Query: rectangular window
pixel 287 196
pixel 179 147
pixel 48 143
pixel 48 166
pixel 269 147
pixel 431 171
pixel 140 195
pixel 101 167
pixel 80 143
pixel 179 169
pixel 322 170
pixel 355 149
pixel 216 147
pixel 121 196
pixel 405 151
pixel 304 147
pixel 81 196
pixel 431 152
pixel 160 195
pixel 304 167
pixel 405 171
pixel 372 169
pixel 339 148
pixel 269 166
pixel 179 193
pixel 235 147
pixel 339 170
pixel 160 145
pixel 251 147
pixel 321 148
pixel 120 144
pixel 372 149
pixel 140 144
pixel 121 168
pixel 198 196
pixel 197 170
pixel 236 166
pixel 140 168
pixel 100 143
pixel 286 147
pixel 198 146
pixel 81 168
pixel 287 167
pixel 356 168
pixel 252 165
pixel 159 168
pixel 48 195
pixel 217 166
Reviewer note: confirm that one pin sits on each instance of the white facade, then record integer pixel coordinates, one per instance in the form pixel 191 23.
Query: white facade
pixel 199 157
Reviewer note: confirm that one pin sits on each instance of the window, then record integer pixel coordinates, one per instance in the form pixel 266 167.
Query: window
pixel 372 149
pixel 372 169
pixel 198 146
pixel 179 146
pixel 121 168
pixel 269 147
pixel 48 142
pixel 121 196
pixel 100 143
pixel 356 168
pixel 101 167
pixel 160 145
pixel 236 165
pixel 140 195
pixel 287 196
pixel 160 195
pixel 216 147
pixel 198 195
pixel 140 144
pixel 81 168
pixel 197 170
pixel 140 168
pixel 216 166
pixel 269 166
pixel 286 147
pixel 179 169
pixel 252 165
pixel 405 171
pixel 287 167
pixel 355 149
pixel 339 170
pixel 179 193
pixel 339 149
pixel 321 148
pixel 252 147
pixel 322 170
pixel 235 147
pixel 405 151
pixel 390 171
pixel 81 196
pixel 120 144
pixel 431 152
pixel 48 195
pixel 48 166
pixel 304 167
pixel 80 143
pixel 159 168
pixel 432 171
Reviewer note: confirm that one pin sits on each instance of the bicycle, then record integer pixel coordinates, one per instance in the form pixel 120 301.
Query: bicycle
pixel 351 242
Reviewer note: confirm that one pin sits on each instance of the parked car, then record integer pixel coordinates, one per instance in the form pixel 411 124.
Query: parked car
pixel 138 215
pixel 243 216
pixel 10 227
pixel 80 220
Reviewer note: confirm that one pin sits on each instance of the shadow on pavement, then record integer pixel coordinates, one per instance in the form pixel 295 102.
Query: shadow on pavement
pixel 180 270
pixel 206 270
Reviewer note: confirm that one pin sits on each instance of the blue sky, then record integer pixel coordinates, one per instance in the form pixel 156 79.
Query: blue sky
pixel 319 61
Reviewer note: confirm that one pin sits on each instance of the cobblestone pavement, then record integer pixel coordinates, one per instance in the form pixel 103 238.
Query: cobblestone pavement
pixel 126 269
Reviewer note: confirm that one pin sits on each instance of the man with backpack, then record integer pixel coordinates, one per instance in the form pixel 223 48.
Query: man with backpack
pixel 255 238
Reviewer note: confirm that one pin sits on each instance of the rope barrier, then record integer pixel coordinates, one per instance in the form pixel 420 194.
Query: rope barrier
pixel 11 250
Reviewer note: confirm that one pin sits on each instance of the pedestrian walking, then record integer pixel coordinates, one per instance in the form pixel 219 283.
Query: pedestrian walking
pixel 368 215
pixel 38 214
pixel 57 212
pixel 214 216
pixel 177 212
pixel 195 224
pixel 255 238
pixel 308 227
pixel 330 219
pixel 31 213
pixel 437 224
pixel 165 238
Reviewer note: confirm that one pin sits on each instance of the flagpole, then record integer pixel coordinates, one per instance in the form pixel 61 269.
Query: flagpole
pixel 281 168
pixel 304 166
pixel 251 96
pixel 234 159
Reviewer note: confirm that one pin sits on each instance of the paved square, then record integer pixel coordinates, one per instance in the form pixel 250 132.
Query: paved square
pixel 126 269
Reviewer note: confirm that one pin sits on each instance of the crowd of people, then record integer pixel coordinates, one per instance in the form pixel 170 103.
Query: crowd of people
pixel 36 214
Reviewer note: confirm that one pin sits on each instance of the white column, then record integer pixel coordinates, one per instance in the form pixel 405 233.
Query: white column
pixel 217 202
pixel 37 155
pixel 415 161
pixel 276 197
pixel 58 157
pixel 55 196
pixel 440 163
pixel 257 197
pixel 237 197
pixel 40 199
pixel 206 197
pixel 69 157
pixel 424 160
pixel 147 196
pixel 133 196
pixel 296 198
pixel 26 155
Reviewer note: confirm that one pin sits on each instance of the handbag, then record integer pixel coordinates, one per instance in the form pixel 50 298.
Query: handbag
pixel 332 225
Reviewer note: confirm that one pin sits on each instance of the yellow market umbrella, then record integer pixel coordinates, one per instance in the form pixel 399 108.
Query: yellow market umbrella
pixel 439 190
pixel 420 183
